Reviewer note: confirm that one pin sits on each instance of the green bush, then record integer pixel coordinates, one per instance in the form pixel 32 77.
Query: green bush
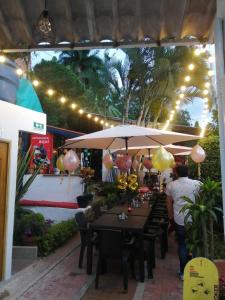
pixel 56 235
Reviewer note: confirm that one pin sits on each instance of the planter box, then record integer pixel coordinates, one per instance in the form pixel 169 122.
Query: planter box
pixel 25 252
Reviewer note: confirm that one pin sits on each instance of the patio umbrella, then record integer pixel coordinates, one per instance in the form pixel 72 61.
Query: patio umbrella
pixel 126 136
pixel 174 149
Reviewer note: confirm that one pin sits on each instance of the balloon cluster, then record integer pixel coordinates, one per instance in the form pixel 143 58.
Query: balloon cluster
pixel 123 162
pixel 108 161
pixel 70 161
pixel 125 182
pixel 147 163
pixel 162 159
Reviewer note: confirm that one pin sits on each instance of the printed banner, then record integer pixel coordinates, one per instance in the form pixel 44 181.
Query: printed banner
pixel 42 147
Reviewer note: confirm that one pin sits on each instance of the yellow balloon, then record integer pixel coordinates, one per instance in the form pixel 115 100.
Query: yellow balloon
pixel 161 159
pixel 59 163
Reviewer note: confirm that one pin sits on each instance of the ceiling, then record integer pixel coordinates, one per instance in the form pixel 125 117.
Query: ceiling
pixel 85 24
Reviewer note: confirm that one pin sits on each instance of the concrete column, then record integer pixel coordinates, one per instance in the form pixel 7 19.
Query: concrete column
pixel 220 80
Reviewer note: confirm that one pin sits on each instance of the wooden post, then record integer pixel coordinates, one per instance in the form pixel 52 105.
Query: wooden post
pixel 220 79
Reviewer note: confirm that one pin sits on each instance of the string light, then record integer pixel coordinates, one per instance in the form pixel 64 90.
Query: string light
pixel 36 83
pixel 19 72
pixel 178 102
pixel 206 99
pixel 112 126
pixel 207 84
pixel 181 96
pixel 102 122
pixel 2 58
pixel 183 88
pixel 73 105
pixel 191 67
pixel 89 116
pixel 197 52
pixel 210 73
pixel 211 59
pixel 81 111
pixel 96 119
pixel 50 92
pixel 106 124
pixel 187 78
pixel 63 100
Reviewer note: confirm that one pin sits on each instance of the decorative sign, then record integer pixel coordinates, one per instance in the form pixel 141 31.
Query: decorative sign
pixel 201 280
pixel 42 147
pixel 38 126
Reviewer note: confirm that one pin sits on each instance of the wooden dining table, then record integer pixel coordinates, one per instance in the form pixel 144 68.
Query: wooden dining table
pixel 142 211
pixel 133 224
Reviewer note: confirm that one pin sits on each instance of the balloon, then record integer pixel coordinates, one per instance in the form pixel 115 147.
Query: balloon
pixel 172 161
pixel 161 159
pixel 147 163
pixel 108 161
pixel 198 154
pixel 59 163
pixel 71 161
pixel 123 162
pixel 135 164
pixel 122 182
pixel 132 182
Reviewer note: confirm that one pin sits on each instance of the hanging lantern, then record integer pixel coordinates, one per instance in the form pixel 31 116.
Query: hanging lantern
pixel 71 161
pixel 59 163
pixel 161 159
pixel 108 161
pixel 198 154
pixel 123 162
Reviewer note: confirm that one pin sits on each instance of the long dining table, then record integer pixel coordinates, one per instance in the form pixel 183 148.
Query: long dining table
pixel 135 223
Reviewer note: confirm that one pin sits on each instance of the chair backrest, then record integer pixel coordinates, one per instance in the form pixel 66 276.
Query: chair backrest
pixel 84 200
pixel 81 220
pixel 110 243
pixel 97 210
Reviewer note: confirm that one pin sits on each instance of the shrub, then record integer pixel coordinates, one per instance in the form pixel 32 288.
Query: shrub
pixel 56 235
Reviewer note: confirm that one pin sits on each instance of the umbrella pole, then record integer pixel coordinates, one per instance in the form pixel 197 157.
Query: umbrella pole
pixel 126 144
pixel 149 156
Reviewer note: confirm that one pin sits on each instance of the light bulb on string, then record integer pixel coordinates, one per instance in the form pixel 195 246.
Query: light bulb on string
pixel 102 122
pixel 205 99
pixel 183 88
pixel 178 102
pixel 205 92
pixel 106 124
pixel 35 82
pixel 81 111
pixel 191 67
pixel 211 59
pixel 96 119
pixel 19 71
pixel 112 126
pixel 2 58
pixel 210 73
pixel 207 84
pixel 187 78
pixel 89 116
pixel 50 92
pixel 197 52
pixel 73 105
pixel 63 100
pixel 181 96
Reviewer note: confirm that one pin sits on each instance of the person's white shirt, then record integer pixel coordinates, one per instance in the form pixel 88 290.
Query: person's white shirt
pixel 179 188
pixel 166 175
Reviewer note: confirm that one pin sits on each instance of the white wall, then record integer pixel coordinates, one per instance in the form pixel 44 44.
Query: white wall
pixel 12 119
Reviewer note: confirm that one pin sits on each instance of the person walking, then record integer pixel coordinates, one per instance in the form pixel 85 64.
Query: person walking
pixel 176 190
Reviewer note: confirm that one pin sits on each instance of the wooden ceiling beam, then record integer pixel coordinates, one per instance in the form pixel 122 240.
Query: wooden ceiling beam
pixel 5 28
pixel 26 25
pixel 140 35
pixel 89 5
pixel 116 26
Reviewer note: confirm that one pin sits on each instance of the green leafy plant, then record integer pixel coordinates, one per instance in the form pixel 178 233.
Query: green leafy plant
pixel 22 167
pixel 200 217
pixel 56 235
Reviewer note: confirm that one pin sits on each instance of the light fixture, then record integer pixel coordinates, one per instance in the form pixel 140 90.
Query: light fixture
pixel 89 116
pixel 187 78
pixel 96 119
pixel 106 124
pixel 191 67
pixel 177 107
pixel 207 84
pixel 73 105
pixel 19 72
pixel 206 99
pixel 205 92
pixel 81 111
pixel 2 58
pixel 178 102
pixel 112 126
pixel 171 118
pixel 181 96
pixel 35 82
pixel 197 52
pixel 102 122
pixel 183 88
pixel 44 29
pixel 172 111
pixel 206 106
pixel 210 73
pixel 63 100
pixel 50 92
pixel 211 59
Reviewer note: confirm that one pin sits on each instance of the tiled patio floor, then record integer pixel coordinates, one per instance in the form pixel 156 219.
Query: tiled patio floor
pixel 64 281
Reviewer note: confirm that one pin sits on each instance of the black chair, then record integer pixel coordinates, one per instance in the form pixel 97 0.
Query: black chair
pixel 112 245
pixel 84 200
pixel 84 235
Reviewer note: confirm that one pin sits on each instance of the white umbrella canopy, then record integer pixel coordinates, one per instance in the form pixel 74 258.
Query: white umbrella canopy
pixel 174 149
pixel 136 136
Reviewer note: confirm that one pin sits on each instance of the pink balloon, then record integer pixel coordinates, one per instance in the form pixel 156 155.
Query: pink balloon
pixel 71 161
pixel 147 163
pixel 108 161
pixel 123 162
pixel 198 154
pixel 135 164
